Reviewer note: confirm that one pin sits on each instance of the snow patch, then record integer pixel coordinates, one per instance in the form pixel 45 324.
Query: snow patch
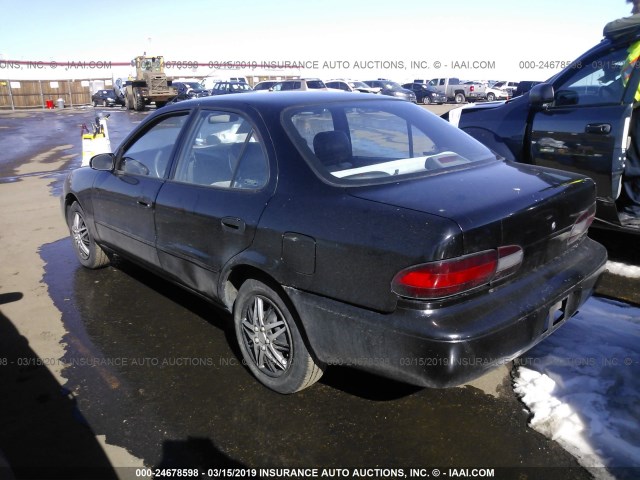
pixel 623 270
pixel 582 386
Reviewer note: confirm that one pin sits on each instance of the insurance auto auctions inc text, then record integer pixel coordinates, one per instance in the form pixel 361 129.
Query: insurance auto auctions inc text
pixel 375 473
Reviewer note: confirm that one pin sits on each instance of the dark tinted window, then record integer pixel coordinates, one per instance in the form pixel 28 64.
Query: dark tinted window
pixel 315 84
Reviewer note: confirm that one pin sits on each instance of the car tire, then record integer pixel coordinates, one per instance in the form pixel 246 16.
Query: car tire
pixel 104 103
pixel 270 341
pixel 95 103
pixel 426 100
pixel 86 249
pixel 140 104
pixel 459 98
pixel 490 97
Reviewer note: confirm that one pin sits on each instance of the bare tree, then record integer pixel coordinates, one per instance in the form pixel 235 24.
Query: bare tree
pixel 636 6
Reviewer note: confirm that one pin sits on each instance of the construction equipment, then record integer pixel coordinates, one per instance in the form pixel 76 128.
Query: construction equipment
pixel 149 85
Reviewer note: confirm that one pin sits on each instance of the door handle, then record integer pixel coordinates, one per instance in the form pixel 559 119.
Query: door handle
pixel 598 128
pixel 145 202
pixel 233 224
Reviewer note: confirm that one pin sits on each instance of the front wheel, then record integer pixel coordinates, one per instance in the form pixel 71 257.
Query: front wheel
pixel 426 100
pixel 270 341
pixel 139 103
pixel 87 250
pixel 490 97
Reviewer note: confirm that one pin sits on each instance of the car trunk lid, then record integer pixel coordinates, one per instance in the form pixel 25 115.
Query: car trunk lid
pixel 499 204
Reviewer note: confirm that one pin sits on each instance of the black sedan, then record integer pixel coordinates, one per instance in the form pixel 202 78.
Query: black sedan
pixel 105 98
pixel 393 89
pixel 425 94
pixel 343 229
pixel 187 90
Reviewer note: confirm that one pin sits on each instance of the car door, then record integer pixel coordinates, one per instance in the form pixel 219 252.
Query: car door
pixel 585 129
pixel 124 199
pixel 209 209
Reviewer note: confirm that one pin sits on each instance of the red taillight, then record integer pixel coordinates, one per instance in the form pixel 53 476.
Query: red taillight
pixel 584 221
pixel 449 277
pixel 471 88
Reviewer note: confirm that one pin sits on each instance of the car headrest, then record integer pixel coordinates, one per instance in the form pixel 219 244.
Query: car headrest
pixel 332 147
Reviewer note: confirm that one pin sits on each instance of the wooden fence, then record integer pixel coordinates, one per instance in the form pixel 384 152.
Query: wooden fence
pixel 37 93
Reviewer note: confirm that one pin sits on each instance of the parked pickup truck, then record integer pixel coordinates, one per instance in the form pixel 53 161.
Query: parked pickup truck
pixel 579 121
pixel 456 90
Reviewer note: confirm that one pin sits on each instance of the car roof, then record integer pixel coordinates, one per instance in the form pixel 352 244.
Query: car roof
pixel 279 100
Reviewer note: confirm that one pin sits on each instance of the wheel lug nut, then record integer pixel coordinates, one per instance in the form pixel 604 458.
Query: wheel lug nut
pixel 263 348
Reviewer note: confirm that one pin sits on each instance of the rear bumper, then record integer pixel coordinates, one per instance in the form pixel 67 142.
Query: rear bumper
pixel 450 345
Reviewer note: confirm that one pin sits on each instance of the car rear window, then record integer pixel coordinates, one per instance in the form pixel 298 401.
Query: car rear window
pixel 369 142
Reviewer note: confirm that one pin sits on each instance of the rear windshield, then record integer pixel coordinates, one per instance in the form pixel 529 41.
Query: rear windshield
pixel 369 142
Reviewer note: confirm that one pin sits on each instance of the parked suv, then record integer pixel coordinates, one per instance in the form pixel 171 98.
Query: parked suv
pixel 300 84
pixel 223 88
pixel 425 94
pixel 393 89
pixel 264 85
pixel 578 120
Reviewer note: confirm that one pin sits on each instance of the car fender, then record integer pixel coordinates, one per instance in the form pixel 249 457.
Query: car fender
pixel 77 187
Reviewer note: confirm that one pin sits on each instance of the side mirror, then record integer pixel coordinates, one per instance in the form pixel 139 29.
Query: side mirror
pixel 540 94
pixel 103 161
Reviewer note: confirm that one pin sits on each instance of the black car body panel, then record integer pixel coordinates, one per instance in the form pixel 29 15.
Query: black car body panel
pixel 583 128
pixel 335 239
pixel 446 347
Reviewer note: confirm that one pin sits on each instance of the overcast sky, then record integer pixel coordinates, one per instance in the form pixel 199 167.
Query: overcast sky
pixel 401 40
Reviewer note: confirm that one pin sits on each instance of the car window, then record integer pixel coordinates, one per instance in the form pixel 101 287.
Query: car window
pixel 309 124
pixel 314 84
pixel 594 83
pixel 375 142
pixel 223 151
pixel 150 154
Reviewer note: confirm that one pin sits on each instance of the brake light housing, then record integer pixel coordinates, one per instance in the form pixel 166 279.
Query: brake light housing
pixel 582 224
pixel 436 280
